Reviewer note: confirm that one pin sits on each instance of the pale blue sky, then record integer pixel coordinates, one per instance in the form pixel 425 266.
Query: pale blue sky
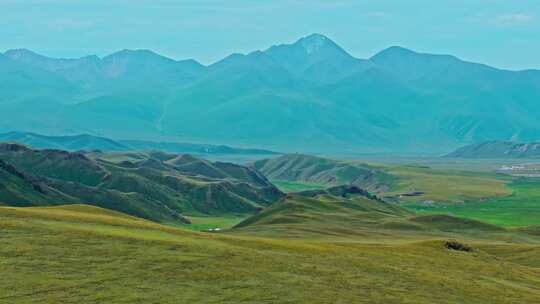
pixel 501 33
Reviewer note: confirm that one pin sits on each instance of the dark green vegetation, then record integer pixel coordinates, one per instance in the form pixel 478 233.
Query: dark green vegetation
pixel 87 142
pixel 498 149
pixel 89 255
pixel 312 90
pixel 311 172
pixel 521 208
pixel 158 186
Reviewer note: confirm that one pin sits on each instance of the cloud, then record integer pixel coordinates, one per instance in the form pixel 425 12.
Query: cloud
pixel 377 14
pixel 513 19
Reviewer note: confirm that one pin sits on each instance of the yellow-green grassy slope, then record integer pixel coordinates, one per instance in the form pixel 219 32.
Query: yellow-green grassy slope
pixel 442 185
pixel 82 254
pixel 348 216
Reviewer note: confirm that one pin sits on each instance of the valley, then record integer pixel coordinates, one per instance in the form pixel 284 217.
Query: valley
pixel 308 228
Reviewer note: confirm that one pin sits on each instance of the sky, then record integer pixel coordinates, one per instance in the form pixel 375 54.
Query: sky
pixel 501 33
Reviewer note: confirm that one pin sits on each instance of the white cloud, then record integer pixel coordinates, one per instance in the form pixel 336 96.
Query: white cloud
pixel 377 14
pixel 512 19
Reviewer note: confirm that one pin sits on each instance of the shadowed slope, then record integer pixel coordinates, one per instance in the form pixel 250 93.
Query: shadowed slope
pixel 139 184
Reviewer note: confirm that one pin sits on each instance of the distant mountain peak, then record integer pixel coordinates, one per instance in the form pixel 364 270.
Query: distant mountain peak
pixel 34 59
pixel 399 52
pixel 26 54
pixel 18 53
pixel 29 57
pixel 308 51
pixel 394 51
pixel 315 42
pixel 137 53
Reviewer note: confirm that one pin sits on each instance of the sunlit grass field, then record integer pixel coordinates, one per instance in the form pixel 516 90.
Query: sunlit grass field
pixel 481 195
pixel 288 186
pixel 443 185
pixel 521 208
pixel 82 254
pixel 204 223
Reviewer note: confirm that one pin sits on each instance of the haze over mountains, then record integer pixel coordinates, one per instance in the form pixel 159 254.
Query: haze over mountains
pixel 310 95
pixel 497 149
pixel 85 142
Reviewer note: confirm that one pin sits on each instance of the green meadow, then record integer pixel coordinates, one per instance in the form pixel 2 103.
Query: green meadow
pixel 326 245
pixel 520 208
pixel 295 186
pixel 82 254
pixel 201 223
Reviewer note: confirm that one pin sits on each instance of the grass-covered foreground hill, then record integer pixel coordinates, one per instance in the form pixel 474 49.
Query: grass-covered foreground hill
pixel 157 186
pixel 84 254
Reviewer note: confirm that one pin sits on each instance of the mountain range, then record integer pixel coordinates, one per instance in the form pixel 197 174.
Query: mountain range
pixel 497 149
pixel 86 142
pixel 310 95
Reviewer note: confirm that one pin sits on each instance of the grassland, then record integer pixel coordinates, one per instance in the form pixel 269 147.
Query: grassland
pixel 295 186
pixel 444 185
pixel 82 254
pixel 521 208
pixel 303 249
pixel 204 223
pixel 478 193
pixel 442 180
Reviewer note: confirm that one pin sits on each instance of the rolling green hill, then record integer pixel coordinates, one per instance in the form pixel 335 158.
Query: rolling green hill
pixel 86 254
pixel 19 189
pixel 346 212
pixel 138 183
pixel 323 172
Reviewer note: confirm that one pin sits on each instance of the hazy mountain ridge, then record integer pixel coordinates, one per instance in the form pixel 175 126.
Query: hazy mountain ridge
pixel 86 142
pixel 497 149
pixel 312 90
